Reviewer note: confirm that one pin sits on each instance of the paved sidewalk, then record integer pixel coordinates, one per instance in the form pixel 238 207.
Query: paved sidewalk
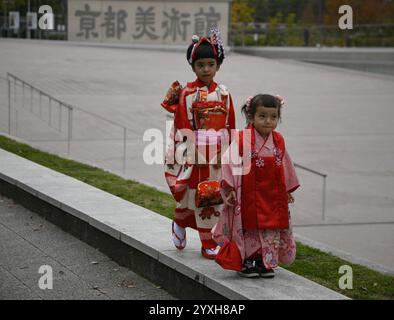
pixel 336 121
pixel 27 242
pixel 140 238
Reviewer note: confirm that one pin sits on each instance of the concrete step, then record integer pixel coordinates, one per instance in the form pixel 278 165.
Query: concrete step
pixel 139 238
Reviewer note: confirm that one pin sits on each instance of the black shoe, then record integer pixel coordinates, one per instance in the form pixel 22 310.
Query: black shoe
pixel 267 273
pixel 263 271
pixel 249 270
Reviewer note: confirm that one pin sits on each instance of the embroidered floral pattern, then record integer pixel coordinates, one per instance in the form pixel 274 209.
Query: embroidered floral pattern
pixel 208 212
pixel 273 245
pixel 278 156
pixel 252 154
pixel 260 163
pixel 268 256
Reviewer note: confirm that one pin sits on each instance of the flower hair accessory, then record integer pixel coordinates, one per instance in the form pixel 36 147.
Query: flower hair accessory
pixel 281 100
pixel 195 38
pixel 248 102
pixel 217 40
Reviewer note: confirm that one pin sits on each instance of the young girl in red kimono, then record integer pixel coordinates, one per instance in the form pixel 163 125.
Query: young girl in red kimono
pixel 200 106
pixel 256 214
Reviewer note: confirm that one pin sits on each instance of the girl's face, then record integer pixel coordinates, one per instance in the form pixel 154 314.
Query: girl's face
pixel 205 69
pixel 265 120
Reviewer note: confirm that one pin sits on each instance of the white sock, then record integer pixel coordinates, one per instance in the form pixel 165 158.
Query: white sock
pixel 180 231
pixel 212 251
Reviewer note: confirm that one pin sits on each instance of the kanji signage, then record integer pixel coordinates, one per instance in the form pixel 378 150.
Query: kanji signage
pixel 145 22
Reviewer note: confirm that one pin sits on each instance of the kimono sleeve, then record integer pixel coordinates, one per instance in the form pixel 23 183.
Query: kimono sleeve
pixel 291 178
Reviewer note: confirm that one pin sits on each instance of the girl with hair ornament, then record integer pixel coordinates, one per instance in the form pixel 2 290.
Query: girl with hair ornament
pixel 256 218
pixel 203 116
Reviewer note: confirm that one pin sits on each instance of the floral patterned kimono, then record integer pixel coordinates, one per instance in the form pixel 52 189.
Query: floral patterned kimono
pixel 198 109
pixel 260 220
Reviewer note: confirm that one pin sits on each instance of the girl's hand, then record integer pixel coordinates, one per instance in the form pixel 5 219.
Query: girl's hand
pixel 290 198
pixel 230 199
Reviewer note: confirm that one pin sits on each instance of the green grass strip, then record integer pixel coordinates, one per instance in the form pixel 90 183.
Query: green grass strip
pixel 310 263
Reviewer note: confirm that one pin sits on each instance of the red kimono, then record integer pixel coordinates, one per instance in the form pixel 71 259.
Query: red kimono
pixel 199 109
pixel 260 222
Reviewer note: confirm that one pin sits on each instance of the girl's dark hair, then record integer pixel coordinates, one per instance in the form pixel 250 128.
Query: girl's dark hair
pixel 203 51
pixel 261 100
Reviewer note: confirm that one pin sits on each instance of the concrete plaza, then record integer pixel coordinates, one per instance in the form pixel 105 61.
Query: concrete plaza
pixel 336 121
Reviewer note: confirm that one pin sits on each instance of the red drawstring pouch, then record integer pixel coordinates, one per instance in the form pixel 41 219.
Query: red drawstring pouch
pixel 229 256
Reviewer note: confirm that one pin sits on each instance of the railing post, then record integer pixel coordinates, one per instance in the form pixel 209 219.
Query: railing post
pixel 50 111
pixel 124 150
pixel 69 133
pixel 31 99
pixel 16 122
pixel 324 186
pixel 9 106
pixel 40 104
pixel 23 94
pixel 60 116
pixel 324 198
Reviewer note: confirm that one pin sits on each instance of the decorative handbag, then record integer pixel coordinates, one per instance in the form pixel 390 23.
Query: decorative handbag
pixel 171 100
pixel 208 194
pixel 229 256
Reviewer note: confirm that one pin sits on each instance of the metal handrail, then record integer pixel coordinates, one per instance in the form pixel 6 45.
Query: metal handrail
pixel 73 107
pixel 324 186
pixel 42 93
pixel 70 109
pixel 310 170
pixel 22 85
pixel 10 75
